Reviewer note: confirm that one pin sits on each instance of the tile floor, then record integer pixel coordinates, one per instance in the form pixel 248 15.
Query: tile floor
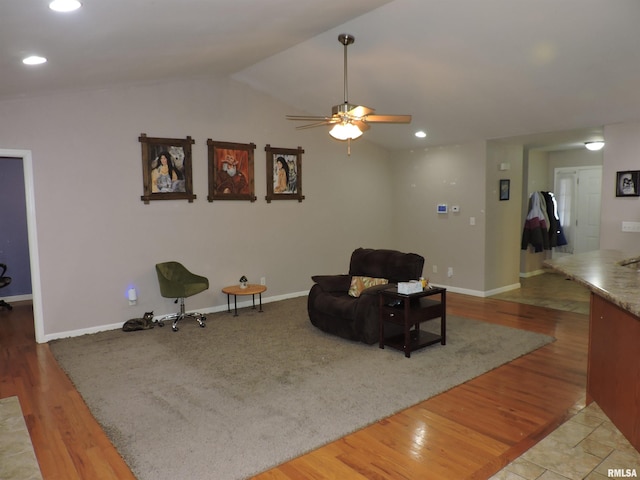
pixel 550 290
pixel 587 446
pixel 17 458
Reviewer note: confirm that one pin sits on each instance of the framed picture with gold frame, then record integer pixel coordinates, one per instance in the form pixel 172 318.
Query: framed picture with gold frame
pixel 166 168
pixel 284 173
pixel 231 175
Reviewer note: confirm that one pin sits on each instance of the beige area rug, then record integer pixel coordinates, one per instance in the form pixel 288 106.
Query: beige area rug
pixel 249 392
pixel 17 458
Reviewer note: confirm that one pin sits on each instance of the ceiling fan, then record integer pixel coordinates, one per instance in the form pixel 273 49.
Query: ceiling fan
pixel 349 121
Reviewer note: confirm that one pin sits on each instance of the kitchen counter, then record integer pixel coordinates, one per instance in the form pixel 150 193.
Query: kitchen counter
pixel 613 358
pixel 611 274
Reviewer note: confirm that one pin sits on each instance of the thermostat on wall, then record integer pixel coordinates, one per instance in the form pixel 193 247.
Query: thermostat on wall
pixel 442 208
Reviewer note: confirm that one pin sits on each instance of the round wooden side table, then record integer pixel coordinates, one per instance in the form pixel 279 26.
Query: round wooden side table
pixel 236 290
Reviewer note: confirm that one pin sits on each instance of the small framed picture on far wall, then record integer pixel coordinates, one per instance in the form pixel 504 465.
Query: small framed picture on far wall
pixel 505 185
pixel 627 183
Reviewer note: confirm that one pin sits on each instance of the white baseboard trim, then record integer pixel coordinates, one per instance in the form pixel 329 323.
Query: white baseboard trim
pixel 506 288
pixel 464 291
pixel 480 293
pixel 532 274
pixel 265 300
pixel 214 309
pixel 17 298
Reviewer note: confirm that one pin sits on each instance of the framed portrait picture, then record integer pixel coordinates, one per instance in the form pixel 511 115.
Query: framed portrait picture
pixel 284 173
pixel 627 183
pixel 505 186
pixel 166 168
pixel 231 171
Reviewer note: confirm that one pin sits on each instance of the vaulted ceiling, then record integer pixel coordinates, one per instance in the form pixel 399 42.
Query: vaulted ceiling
pixel 465 69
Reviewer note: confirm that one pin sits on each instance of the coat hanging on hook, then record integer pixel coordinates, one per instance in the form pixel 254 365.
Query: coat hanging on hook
pixel 542 228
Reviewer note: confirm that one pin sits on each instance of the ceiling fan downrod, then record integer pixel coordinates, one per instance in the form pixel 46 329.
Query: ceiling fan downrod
pixel 346 40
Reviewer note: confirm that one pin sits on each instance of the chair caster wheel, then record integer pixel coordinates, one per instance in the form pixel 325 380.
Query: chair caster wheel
pixel 175 329
pixel 202 325
pixel 160 324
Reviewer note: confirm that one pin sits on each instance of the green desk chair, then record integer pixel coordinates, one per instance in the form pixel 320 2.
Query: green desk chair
pixel 178 282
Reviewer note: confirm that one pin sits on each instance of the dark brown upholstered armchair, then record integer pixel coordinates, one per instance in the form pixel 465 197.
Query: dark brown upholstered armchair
pixel 333 310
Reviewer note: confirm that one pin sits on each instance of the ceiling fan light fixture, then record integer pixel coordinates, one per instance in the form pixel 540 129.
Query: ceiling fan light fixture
pixel 345 131
pixel 594 146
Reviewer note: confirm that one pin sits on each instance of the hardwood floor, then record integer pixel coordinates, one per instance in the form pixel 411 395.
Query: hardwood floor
pixel 68 442
pixel 470 431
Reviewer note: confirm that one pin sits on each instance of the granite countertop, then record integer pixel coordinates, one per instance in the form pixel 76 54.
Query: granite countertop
pixel 611 274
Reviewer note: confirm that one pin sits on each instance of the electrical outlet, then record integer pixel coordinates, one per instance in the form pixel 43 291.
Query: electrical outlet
pixel 263 280
pixel 435 269
pixel 450 272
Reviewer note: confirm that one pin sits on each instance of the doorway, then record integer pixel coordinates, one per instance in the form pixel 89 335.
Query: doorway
pixel 34 259
pixel 578 194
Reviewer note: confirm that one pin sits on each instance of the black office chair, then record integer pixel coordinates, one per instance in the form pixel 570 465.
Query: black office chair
pixel 4 281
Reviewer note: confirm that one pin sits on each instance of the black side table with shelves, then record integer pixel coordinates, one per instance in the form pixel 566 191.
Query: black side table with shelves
pixel 410 310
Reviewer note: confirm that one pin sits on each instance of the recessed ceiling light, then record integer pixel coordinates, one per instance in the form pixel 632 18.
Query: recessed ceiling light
pixel 65 5
pixel 34 60
pixel 421 134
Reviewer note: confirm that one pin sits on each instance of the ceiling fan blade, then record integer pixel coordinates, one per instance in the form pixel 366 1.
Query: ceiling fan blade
pixel 387 119
pixel 329 121
pixel 350 110
pixel 361 125
pixel 308 118
pixel 360 111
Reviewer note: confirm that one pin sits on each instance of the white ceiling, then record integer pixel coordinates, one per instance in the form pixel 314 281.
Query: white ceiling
pixel 465 69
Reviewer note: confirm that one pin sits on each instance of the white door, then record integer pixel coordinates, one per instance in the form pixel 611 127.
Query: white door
pixel 588 211
pixel 578 194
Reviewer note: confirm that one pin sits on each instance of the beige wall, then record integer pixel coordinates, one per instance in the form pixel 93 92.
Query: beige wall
pixel 454 175
pixel 578 157
pixel 622 152
pixel 484 256
pixel 96 237
pixel 504 218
